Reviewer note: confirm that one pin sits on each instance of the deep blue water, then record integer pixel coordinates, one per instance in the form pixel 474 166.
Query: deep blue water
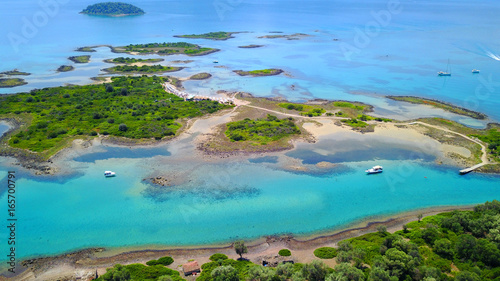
pixel 85 209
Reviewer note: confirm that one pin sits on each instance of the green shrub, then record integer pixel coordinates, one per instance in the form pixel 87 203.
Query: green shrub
pixel 325 253
pixel 216 257
pixel 284 253
pixel 166 260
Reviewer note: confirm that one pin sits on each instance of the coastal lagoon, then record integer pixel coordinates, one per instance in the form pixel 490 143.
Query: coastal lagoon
pixel 222 201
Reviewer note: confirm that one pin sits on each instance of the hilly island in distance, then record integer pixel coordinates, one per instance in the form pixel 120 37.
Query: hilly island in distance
pixel 234 141
pixel 113 9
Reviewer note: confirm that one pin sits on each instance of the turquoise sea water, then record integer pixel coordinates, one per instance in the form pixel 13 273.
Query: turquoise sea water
pixel 249 201
pixel 243 199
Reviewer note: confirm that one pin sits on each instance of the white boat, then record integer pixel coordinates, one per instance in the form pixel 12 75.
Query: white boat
pixel 109 174
pixel 375 170
pixel 447 72
pixel 475 71
pixel 215 61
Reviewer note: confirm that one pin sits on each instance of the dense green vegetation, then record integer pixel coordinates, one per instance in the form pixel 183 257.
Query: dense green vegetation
pixel 80 59
pixel 132 60
pixel 112 9
pixel 305 110
pixel 65 68
pixel 284 253
pixel 140 272
pixel 216 257
pixel 492 138
pixel 355 123
pixel 145 69
pixel 11 82
pixel 201 76
pixel 458 245
pixel 348 105
pixel 15 72
pixel 295 106
pixel 364 117
pixel 440 104
pixel 325 253
pixel 163 261
pixel 221 35
pixel 131 107
pixel 167 49
pixel 262 72
pixel 261 130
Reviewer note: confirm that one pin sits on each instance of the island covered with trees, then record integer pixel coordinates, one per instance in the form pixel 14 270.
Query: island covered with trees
pixel 113 9
pixel 15 72
pixel 65 68
pixel 261 72
pixel 145 69
pixel 165 49
pixel 220 35
pixel 132 60
pixel 80 59
pixel 130 107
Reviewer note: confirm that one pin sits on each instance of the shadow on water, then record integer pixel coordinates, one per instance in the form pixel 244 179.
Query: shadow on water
pixel 122 152
pixel 265 159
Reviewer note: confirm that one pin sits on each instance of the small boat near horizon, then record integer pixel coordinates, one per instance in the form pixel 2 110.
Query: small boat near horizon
pixel 475 71
pixel 109 174
pixel 447 72
pixel 375 170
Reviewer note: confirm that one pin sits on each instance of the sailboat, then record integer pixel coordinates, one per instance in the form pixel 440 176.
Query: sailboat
pixel 447 73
